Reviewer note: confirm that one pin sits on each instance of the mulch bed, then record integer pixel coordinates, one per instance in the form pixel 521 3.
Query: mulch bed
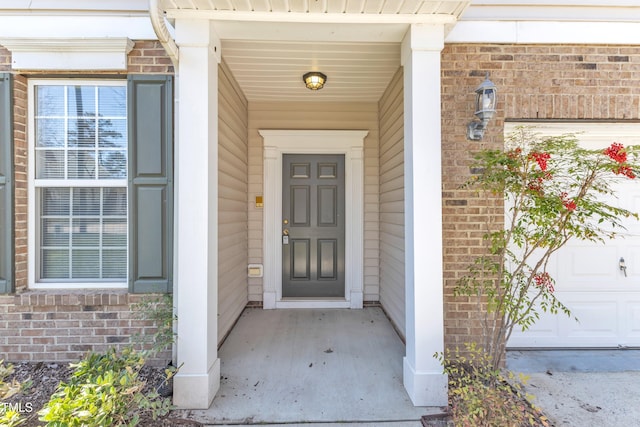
pixel 45 377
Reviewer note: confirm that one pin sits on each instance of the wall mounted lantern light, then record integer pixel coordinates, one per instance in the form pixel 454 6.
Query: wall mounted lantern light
pixel 314 80
pixel 486 98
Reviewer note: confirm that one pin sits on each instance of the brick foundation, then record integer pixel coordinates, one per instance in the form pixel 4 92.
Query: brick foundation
pixel 65 325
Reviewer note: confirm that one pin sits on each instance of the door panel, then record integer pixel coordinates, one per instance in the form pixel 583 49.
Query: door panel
pixel 327 259
pixel 313 226
pixel 300 215
pixel 327 206
pixel 300 259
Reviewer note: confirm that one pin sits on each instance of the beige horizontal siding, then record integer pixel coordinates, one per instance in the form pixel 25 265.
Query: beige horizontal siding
pixel 232 201
pixel 317 115
pixel 392 287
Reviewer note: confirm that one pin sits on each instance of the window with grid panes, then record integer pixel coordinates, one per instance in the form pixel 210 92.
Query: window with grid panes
pixel 80 149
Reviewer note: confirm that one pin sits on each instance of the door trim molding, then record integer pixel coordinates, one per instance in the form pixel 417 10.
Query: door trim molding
pixel 347 142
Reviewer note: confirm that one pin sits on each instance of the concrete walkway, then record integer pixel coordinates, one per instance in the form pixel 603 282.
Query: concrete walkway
pixel 578 388
pixel 294 367
pixel 344 368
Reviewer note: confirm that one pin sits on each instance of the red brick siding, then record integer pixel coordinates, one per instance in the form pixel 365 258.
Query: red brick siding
pixel 148 57
pixel 20 179
pixel 5 59
pixel 534 82
pixel 64 325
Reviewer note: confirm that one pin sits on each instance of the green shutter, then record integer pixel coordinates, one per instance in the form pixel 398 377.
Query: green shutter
pixel 150 101
pixel 6 185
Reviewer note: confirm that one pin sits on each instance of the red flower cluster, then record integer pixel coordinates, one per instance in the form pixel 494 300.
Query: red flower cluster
pixel 568 203
pixel 624 170
pixel 543 280
pixel 541 159
pixel 617 153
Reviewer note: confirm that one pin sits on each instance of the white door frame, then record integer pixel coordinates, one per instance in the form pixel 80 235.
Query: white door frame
pixel 280 142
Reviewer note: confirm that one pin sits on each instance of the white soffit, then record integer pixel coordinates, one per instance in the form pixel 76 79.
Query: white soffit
pixel 68 54
pixel 545 32
pixel 320 20
pixel 350 7
pixel 549 22
pixel 116 6
pixel 553 10
pixel 73 26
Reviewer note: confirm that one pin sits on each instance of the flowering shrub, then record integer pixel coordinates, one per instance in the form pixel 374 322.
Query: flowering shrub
pixel 553 191
pixel 483 396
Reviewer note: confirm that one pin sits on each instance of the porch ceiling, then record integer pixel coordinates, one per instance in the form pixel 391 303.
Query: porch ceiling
pixel 272 70
pixel 270 44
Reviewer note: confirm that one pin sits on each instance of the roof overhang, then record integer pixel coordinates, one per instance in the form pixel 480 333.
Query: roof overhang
pixel 368 20
pixel 270 44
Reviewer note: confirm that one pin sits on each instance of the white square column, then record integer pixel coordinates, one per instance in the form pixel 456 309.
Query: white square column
pixel 423 375
pixel 196 215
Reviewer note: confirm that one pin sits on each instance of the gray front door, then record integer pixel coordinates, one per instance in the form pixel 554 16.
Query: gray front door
pixel 313 225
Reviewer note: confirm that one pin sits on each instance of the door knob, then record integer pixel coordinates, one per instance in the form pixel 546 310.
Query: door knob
pixel 285 232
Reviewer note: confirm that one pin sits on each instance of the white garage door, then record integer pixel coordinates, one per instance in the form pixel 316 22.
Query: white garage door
pixel 588 277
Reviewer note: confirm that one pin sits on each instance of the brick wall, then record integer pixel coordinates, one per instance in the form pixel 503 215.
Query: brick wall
pixel 534 82
pixel 62 325
pixel 20 179
pixel 148 57
pixel 5 59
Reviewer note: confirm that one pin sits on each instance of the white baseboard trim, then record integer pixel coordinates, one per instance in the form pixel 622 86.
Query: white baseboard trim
pixel 425 388
pixel 196 391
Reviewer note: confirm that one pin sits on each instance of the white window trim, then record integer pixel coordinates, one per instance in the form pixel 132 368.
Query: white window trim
pixel 78 53
pixel 280 142
pixel 32 217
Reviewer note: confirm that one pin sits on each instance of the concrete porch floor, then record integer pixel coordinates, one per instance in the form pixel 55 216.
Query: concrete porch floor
pixel 312 366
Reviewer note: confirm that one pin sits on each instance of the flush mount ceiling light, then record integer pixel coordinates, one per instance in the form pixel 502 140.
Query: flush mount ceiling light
pixel 314 80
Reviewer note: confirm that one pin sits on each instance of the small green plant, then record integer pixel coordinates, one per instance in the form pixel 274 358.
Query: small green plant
pixel 8 416
pixel 482 396
pixel 8 388
pixel 159 310
pixel 104 390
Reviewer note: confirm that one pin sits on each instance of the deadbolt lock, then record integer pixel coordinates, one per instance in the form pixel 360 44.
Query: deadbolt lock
pixel 286 221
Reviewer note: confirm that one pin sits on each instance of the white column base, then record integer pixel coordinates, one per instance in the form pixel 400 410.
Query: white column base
pixel 269 300
pixel 425 388
pixel 356 300
pixel 196 391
